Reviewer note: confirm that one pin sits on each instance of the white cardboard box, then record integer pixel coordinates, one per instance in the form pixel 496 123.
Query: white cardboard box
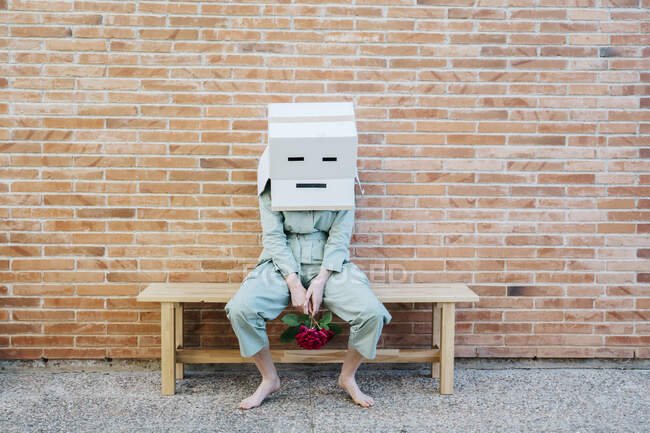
pixel 311 156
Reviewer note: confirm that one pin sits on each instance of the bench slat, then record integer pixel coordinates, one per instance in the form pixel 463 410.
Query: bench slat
pixel 386 292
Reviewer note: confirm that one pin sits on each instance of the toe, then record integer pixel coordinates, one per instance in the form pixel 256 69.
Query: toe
pixel 245 404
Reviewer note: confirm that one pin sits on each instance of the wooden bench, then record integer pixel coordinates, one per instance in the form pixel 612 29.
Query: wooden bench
pixel 173 296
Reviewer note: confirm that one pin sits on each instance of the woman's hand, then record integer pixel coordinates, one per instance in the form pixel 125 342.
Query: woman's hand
pixel 316 289
pixel 298 293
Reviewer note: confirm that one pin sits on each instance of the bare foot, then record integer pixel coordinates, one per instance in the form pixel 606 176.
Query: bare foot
pixel 350 385
pixel 265 388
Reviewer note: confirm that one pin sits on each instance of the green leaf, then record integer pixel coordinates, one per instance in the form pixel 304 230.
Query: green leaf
pixel 335 327
pixel 327 318
pixel 289 334
pixel 326 326
pixel 291 319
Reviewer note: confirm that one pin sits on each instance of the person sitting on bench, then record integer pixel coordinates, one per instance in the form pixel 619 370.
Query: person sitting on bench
pixel 306 235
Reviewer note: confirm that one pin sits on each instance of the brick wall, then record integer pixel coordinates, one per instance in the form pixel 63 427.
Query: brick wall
pixel 503 143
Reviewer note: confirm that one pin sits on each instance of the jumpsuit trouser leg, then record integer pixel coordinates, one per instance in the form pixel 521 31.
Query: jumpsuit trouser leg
pixel 348 295
pixel 262 296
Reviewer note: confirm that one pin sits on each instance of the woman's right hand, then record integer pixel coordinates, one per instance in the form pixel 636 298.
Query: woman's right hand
pixel 298 293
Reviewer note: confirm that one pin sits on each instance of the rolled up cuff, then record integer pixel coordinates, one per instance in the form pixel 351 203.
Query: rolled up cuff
pixel 285 269
pixel 333 265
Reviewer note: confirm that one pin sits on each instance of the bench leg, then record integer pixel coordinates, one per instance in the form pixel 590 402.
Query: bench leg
pixel 167 348
pixel 435 337
pixel 178 318
pixel 448 324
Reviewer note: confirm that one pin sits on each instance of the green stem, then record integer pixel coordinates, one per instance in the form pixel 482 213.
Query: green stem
pixel 314 321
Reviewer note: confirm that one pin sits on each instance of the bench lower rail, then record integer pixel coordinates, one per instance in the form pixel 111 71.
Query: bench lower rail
pixel 233 356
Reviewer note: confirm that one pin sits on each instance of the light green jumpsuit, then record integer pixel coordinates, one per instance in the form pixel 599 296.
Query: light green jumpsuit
pixel 304 242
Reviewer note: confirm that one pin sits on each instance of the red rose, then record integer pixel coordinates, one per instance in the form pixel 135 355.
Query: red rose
pixel 312 338
pixel 328 334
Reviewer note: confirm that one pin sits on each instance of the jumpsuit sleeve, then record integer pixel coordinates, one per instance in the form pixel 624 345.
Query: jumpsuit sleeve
pixel 274 239
pixel 338 241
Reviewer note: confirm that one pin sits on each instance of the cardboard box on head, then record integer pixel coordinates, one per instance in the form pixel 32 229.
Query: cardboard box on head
pixel 311 157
